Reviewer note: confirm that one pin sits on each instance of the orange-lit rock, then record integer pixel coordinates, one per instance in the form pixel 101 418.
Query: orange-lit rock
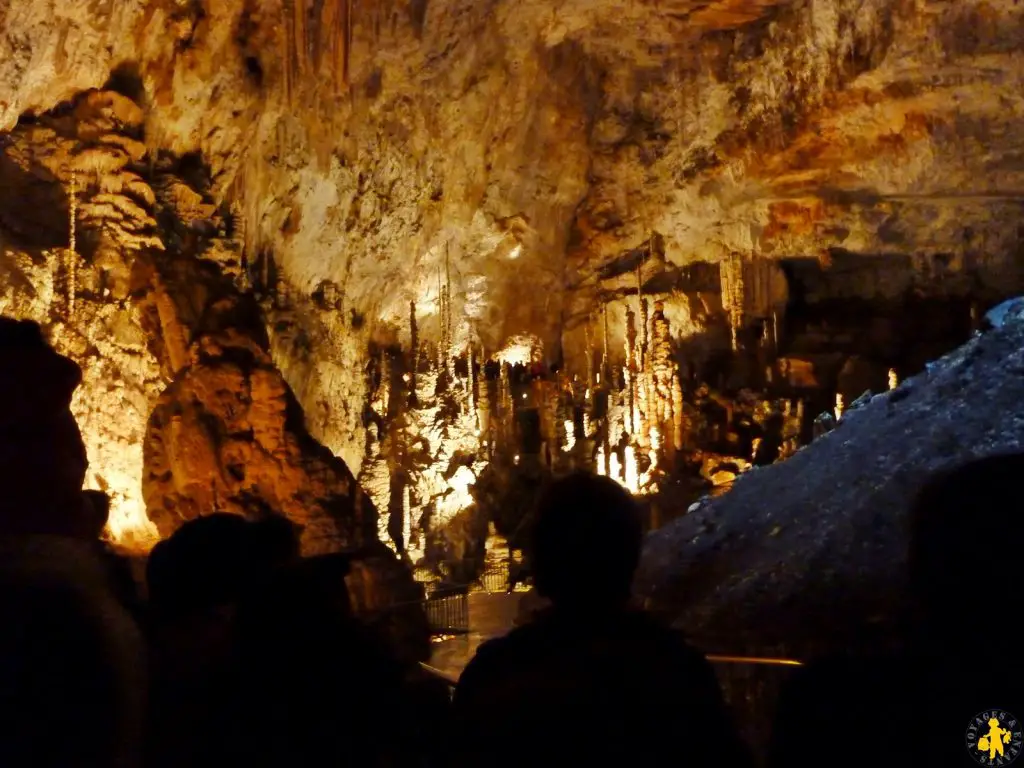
pixel 227 434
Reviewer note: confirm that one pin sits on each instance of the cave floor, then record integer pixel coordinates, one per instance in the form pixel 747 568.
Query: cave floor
pixel 491 614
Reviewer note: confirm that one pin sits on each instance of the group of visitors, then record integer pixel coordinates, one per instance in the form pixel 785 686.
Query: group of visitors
pixel 244 653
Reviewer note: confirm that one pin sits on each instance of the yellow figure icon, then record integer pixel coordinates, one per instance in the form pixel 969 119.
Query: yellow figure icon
pixel 994 740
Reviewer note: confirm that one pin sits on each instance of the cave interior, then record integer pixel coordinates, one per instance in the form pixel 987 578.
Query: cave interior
pixel 385 267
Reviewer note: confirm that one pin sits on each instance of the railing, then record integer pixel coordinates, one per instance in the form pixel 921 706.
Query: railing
pixel 494 580
pixel 750 686
pixel 448 611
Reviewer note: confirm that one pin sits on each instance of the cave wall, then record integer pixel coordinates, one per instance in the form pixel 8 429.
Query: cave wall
pixel 544 151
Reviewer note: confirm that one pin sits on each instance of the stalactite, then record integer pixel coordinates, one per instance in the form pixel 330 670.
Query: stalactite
pixel 641 344
pixel 348 39
pixel 301 41
pixel 317 44
pixel 590 356
pixel 470 385
pixel 72 265
pixel 288 54
pixel 733 294
pixel 407 520
pixel 604 358
pixel 483 406
pixel 442 344
pixel 504 403
pixel 630 370
pixel 414 348
pixel 450 352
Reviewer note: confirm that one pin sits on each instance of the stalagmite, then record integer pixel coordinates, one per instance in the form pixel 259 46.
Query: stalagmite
pixel 677 412
pixel 614 467
pixel 654 455
pixel 893 379
pixel 616 426
pixel 602 464
pixel 838 410
pixel 661 361
pixel 632 476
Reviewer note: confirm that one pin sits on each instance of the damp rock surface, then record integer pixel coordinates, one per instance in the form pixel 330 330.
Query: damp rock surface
pixel 809 554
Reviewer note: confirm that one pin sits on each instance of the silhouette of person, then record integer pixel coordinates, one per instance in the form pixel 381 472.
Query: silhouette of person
pixel 72 660
pixel 590 681
pixel 961 659
pixel 197 580
pixel 312 685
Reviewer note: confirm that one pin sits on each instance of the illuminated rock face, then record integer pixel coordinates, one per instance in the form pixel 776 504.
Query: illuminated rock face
pixel 227 434
pixel 552 157
pixel 811 554
pixel 182 408
pixel 91 151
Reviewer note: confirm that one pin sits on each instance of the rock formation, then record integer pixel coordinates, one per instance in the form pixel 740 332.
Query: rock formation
pixel 227 433
pixel 815 191
pixel 867 142
pixel 65 264
pixel 809 554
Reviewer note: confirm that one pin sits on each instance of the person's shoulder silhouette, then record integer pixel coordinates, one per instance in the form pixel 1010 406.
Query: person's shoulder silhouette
pixel 919 707
pixel 591 679
pixel 71 658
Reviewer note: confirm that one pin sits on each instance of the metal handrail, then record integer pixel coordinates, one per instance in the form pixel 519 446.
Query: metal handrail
pixel 441 675
pixel 753 660
pixel 713 658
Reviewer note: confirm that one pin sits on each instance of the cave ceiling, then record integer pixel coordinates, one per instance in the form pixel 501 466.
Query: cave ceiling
pixel 573 129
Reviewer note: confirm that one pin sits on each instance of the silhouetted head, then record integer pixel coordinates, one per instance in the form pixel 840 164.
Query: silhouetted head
pixel 967 542
pixel 42 456
pixel 214 560
pixel 586 542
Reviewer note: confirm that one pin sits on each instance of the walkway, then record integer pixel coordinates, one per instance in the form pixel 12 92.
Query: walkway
pixel 491 614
